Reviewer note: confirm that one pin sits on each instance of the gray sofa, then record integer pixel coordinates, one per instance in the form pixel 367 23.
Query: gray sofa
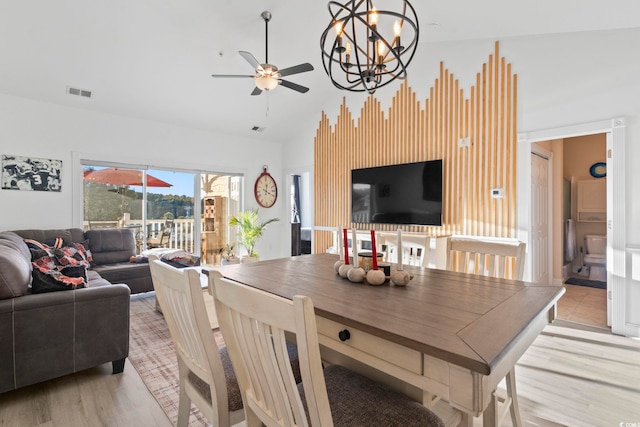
pixel 48 335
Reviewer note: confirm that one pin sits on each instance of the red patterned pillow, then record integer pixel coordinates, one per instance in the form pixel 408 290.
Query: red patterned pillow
pixel 72 254
pixel 49 274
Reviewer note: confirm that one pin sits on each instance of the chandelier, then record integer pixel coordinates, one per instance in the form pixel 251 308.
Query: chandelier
pixel 362 48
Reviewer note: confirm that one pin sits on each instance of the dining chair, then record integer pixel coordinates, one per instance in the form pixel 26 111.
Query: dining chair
pixel 206 374
pixel 415 249
pixel 495 259
pixel 255 323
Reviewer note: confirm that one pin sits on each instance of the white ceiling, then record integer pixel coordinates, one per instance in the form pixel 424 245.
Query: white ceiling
pixel 152 59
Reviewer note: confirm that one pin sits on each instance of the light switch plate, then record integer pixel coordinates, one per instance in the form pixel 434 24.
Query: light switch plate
pixel 497 193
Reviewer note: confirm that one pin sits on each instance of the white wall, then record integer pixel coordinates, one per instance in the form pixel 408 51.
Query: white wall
pixel 563 80
pixel 36 129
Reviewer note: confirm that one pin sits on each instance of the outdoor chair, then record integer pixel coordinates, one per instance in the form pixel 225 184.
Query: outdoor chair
pixel 254 324
pixel 495 259
pixel 162 237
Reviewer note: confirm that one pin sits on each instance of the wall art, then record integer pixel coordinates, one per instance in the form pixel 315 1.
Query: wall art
pixel 30 173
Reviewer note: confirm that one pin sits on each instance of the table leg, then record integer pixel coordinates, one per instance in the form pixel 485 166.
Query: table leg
pixel 466 421
pixel 490 414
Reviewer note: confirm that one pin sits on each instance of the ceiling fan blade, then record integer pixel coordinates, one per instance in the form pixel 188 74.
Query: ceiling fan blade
pixel 251 60
pixel 301 68
pixel 294 86
pixel 256 91
pixel 230 75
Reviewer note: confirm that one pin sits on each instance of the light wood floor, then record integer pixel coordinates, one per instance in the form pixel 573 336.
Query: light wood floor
pixel 573 375
pixel 90 398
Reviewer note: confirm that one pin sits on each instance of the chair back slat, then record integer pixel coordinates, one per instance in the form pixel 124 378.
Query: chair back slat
pixel 254 324
pixel 415 249
pixel 486 257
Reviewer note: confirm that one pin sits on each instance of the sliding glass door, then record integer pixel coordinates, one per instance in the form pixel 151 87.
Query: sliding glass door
pixel 165 209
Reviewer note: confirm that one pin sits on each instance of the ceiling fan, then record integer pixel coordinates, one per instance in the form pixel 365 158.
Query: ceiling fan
pixel 267 76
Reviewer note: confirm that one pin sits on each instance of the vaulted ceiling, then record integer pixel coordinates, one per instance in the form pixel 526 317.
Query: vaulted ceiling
pixel 152 59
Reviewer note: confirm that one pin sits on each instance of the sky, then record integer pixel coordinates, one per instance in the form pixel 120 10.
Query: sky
pixel 182 183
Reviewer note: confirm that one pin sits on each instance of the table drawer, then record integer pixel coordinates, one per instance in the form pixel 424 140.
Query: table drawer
pixel 359 341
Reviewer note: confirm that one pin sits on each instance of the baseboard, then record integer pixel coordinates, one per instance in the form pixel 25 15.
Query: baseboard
pixel 632 330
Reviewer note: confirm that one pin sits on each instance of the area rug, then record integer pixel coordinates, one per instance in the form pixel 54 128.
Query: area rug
pixel 152 354
pixel 586 282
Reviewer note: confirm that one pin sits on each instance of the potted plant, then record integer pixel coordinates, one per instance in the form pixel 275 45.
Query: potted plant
pixel 251 229
pixel 228 255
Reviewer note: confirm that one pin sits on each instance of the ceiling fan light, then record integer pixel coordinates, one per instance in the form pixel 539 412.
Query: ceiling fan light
pixel 266 83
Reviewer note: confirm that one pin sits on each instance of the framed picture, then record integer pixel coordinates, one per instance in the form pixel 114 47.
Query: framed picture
pixel 29 173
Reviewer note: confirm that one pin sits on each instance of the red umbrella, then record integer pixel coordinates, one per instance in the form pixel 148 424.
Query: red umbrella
pixel 123 177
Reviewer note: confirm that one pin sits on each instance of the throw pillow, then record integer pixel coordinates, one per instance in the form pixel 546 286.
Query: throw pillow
pixel 49 274
pixel 72 254
pixel 182 261
pixel 74 277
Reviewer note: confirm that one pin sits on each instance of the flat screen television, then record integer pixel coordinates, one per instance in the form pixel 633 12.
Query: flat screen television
pixel 408 193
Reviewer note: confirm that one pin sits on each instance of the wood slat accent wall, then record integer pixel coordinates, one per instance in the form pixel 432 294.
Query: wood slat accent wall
pixel 412 133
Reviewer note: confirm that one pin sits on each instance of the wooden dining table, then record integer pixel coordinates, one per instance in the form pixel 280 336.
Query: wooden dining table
pixel 446 335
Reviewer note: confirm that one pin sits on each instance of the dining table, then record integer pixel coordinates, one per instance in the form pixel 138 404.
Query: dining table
pixel 445 335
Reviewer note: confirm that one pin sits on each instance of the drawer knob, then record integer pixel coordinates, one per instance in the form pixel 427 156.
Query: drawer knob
pixel 344 335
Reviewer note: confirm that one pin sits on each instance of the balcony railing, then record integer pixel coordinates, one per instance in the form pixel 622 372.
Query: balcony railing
pixel 182 235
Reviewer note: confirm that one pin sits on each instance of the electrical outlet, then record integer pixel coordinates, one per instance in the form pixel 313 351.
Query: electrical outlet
pixel 464 142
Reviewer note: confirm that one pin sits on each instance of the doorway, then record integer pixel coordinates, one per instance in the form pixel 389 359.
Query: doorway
pixel 541 212
pixel 301 222
pixel 579 218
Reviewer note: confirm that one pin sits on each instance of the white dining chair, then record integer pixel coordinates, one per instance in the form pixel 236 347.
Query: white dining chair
pixel 500 259
pixel 416 249
pixel 205 372
pixel 254 324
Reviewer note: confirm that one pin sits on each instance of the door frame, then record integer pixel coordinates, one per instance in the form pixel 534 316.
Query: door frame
pixel 288 179
pixel 548 156
pixel 616 205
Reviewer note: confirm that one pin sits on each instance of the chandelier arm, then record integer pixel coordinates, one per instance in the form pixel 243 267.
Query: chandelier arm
pixel 369 66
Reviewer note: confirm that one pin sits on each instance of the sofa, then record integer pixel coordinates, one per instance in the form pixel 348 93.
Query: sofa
pixel 48 335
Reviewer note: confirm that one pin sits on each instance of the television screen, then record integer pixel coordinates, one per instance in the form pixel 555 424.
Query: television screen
pixel 409 193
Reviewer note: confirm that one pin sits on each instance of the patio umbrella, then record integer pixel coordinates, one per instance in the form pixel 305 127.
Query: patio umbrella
pixel 123 177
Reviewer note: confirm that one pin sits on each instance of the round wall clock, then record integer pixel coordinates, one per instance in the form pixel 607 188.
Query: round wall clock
pixel 598 170
pixel 265 189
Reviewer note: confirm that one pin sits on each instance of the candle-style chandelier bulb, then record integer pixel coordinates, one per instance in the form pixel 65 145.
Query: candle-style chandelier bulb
pixel 366 53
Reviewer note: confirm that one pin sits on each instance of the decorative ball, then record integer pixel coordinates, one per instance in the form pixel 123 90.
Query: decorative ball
pixel 356 274
pixel 344 270
pixel 337 265
pixel 400 278
pixel 376 277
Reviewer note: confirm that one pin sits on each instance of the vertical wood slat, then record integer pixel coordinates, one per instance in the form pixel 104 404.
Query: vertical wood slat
pixel 409 132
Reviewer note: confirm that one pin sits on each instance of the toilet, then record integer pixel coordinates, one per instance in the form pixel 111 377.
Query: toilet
pixel 596 257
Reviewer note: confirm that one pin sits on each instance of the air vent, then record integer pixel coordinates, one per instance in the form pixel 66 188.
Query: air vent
pixel 78 92
pixel 257 129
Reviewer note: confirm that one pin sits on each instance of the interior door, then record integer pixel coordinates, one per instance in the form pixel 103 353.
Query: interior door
pixel 540 208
